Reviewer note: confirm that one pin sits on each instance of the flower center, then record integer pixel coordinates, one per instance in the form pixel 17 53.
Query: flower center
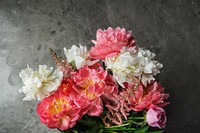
pixel 85 89
pixel 58 106
pixel 87 83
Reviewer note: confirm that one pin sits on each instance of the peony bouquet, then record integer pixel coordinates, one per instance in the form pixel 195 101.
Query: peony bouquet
pixel 109 88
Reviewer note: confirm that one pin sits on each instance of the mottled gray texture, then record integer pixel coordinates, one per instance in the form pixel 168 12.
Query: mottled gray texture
pixel 171 28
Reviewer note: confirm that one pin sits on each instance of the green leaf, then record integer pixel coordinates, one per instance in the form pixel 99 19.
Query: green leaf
pixel 73 64
pixel 142 130
pixel 61 130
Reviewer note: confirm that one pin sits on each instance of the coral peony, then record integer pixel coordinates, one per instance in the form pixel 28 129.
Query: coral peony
pixel 68 88
pixel 146 97
pixel 109 42
pixel 91 84
pixel 156 117
pixel 58 111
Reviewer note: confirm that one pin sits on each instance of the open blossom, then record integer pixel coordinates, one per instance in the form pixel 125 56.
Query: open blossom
pixel 156 117
pixel 58 111
pixel 146 97
pixel 40 83
pixel 109 42
pixel 68 88
pixel 79 55
pixel 133 65
pixel 91 84
pixel 92 107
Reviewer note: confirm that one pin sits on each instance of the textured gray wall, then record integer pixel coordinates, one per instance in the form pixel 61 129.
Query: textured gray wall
pixel 171 28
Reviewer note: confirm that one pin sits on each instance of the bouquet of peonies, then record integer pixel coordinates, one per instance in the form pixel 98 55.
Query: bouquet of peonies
pixel 108 89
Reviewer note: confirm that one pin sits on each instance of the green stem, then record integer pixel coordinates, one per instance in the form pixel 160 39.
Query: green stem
pixel 86 122
pixel 137 118
pixel 61 130
pixel 134 122
pixel 118 126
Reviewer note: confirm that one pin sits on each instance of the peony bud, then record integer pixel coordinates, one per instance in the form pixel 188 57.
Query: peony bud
pixel 156 117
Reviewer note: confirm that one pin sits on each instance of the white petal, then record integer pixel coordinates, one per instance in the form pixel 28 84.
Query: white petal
pixel 133 63
pixel 78 54
pixel 41 83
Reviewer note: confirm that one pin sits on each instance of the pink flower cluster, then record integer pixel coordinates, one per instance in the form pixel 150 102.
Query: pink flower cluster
pixel 93 89
pixel 76 96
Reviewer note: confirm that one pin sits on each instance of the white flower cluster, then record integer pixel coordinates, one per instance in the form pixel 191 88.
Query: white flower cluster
pixel 40 84
pixel 133 64
pixel 79 55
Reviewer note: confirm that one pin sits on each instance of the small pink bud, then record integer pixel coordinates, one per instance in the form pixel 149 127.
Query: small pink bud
pixel 156 117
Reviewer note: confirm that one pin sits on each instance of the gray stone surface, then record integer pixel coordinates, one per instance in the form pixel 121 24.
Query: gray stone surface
pixel 171 28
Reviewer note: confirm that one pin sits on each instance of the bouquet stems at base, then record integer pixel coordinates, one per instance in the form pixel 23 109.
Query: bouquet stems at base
pixel 134 124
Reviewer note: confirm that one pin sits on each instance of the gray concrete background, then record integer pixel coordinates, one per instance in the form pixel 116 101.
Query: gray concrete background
pixel 171 28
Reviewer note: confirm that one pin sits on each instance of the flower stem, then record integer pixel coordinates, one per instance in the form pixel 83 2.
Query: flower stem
pixel 118 126
pixel 137 118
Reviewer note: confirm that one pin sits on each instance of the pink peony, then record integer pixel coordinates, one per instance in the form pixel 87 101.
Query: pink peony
pixel 91 84
pixel 146 97
pixel 109 42
pixel 68 88
pixel 95 108
pixel 58 111
pixel 156 117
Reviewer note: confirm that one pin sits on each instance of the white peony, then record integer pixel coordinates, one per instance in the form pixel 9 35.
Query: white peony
pixel 40 84
pixel 133 64
pixel 79 55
